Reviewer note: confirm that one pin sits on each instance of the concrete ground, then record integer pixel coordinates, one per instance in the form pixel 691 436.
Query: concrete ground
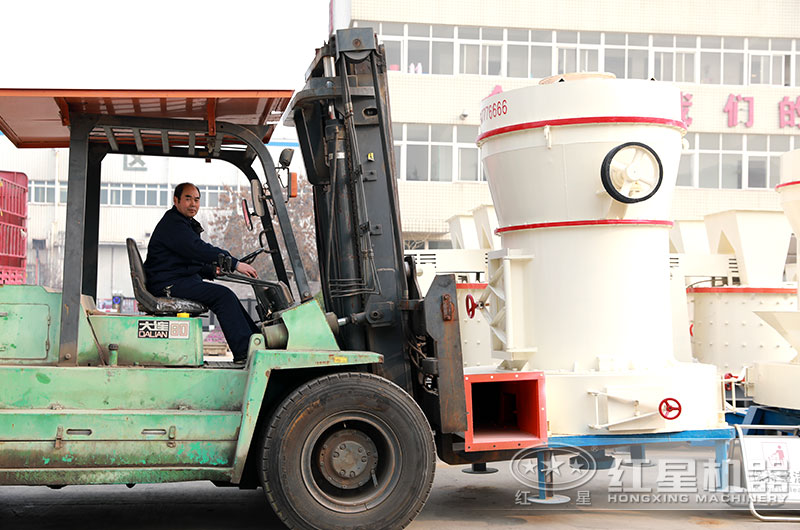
pixel 458 501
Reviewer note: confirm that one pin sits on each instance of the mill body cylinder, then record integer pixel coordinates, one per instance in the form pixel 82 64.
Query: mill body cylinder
pixel 589 258
pixel 582 174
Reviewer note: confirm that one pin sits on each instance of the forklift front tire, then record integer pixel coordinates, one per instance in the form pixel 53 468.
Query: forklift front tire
pixel 346 451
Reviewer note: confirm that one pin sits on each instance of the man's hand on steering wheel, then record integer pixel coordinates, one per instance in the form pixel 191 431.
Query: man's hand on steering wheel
pixel 246 269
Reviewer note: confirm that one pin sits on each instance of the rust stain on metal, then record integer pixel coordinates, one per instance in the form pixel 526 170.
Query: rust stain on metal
pixel 447 308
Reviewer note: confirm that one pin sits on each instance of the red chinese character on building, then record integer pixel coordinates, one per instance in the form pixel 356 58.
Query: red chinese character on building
pixel 732 109
pixel 787 111
pixel 686 105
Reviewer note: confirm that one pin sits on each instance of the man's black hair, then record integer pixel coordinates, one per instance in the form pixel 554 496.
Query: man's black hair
pixel 179 189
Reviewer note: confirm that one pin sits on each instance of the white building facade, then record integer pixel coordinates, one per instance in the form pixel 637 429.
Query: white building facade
pixel 737 64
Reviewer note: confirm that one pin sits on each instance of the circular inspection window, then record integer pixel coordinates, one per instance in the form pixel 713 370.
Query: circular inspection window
pixel 631 172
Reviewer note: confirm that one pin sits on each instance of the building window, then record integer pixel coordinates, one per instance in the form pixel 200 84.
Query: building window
pixel 42 191
pixel 673 58
pixel 517 53
pixel 150 194
pixel 116 194
pixel 686 167
pixel 394 55
pixel 442 57
pixel 468 153
pixel 62 191
pixel 733 161
pixel 128 194
pixel 436 152
pixel 469 50
pixel 442 152
pixel 771 62
pixel 577 52
pixel 534 53
pixel 637 64
pixel 492 51
pixel 210 196
pixel 418 56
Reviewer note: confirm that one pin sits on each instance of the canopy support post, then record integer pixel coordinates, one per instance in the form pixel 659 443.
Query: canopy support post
pixel 73 275
pixel 92 226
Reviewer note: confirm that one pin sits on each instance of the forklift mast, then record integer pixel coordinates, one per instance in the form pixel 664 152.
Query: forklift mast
pixel 344 129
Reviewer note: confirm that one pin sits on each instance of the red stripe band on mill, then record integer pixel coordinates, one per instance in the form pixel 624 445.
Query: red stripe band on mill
pixel 589 222
pixel 591 120
pixel 744 290
pixel 471 285
pixel 787 184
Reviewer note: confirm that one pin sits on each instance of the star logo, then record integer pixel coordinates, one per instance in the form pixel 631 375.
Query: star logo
pixel 528 467
pixel 553 466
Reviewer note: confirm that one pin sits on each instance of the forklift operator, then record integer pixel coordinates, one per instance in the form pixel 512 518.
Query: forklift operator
pixel 178 260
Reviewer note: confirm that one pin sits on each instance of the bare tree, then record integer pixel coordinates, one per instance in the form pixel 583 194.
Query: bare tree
pixel 227 230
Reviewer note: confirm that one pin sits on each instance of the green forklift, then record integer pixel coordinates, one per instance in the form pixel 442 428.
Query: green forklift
pixel 342 405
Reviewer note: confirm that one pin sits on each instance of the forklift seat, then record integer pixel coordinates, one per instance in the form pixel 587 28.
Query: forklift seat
pixel 156 305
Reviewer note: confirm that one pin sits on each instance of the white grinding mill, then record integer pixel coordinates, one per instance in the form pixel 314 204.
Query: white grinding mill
pixel 581 170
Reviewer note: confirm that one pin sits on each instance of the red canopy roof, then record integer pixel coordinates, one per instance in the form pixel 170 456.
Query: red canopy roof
pixel 40 117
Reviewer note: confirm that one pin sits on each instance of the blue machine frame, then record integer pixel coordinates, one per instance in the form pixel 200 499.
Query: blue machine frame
pixel 718 438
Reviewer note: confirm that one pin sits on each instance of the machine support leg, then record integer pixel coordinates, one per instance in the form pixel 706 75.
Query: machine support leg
pixel 721 458
pixel 545 476
pixel 638 457
pixel 479 469
pixel 544 471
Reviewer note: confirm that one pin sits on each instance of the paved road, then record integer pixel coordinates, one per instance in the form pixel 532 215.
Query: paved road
pixel 458 501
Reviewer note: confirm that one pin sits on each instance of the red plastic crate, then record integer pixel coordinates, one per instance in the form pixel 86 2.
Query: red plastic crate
pixel 12 245
pixel 13 197
pixel 12 275
pixel 505 411
pixel 13 217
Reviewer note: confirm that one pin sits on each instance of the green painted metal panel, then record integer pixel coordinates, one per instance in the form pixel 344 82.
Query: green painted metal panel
pixel 72 454
pixel 24 331
pixel 183 345
pixel 26 294
pixel 37 295
pixel 87 388
pixel 88 355
pixel 142 475
pixel 116 422
pixel 280 359
pixel 259 366
pixel 135 425
pixel 308 328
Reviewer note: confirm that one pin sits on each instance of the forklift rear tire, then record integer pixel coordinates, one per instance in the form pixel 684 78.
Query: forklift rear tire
pixel 347 451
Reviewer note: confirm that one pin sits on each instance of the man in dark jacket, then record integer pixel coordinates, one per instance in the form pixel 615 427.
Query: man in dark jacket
pixel 178 260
